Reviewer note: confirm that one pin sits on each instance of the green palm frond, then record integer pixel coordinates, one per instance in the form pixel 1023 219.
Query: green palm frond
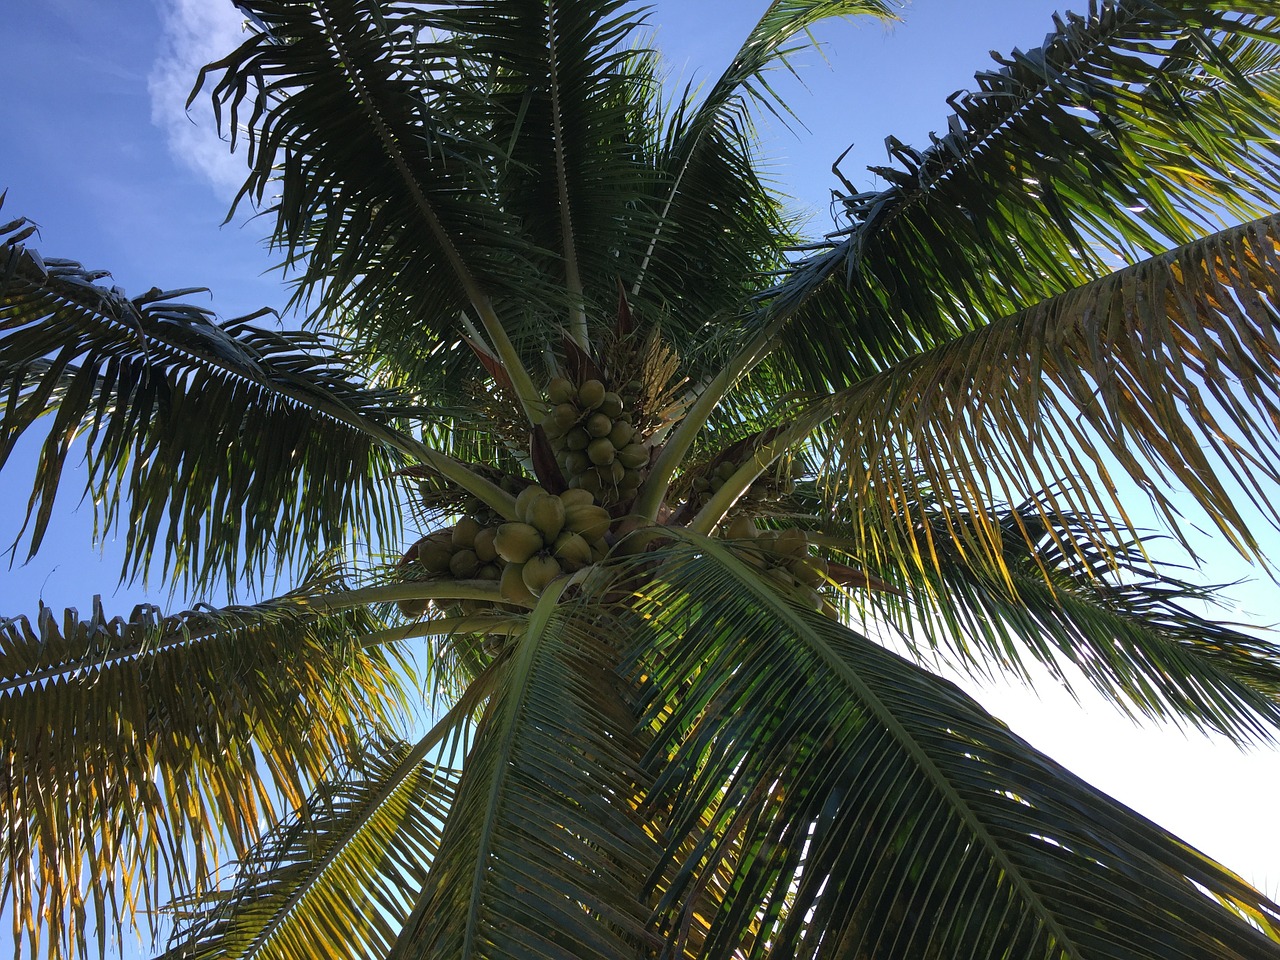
pixel 1129 130
pixel 338 876
pixel 135 748
pixel 720 228
pixel 1165 371
pixel 225 447
pixel 1062 597
pixel 564 90
pixel 364 119
pixel 543 853
pixel 883 812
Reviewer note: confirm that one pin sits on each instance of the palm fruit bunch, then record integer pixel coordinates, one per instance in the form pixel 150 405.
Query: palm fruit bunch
pixel 553 534
pixel 784 557
pixel 473 506
pixel 592 432
pixel 704 485
pixel 770 487
pixel 464 551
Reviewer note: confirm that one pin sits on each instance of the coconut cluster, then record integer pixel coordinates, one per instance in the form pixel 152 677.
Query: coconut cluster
pixel 464 551
pixel 704 486
pixel 784 557
pixel 592 432
pixel 766 488
pixel 553 534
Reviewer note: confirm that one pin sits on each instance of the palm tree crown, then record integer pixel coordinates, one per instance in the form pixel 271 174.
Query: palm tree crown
pixel 642 468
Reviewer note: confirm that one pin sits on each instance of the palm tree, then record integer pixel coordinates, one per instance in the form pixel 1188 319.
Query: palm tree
pixel 642 471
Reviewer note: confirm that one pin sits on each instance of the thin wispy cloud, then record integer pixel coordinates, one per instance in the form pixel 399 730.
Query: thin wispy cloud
pixel 196 32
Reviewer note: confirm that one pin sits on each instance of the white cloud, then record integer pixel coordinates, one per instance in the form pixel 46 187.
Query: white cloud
pixel 196 32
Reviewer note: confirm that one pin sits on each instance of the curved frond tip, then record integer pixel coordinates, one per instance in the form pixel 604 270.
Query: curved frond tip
pixel 884 813
pixel 224 447
pixel 1167 371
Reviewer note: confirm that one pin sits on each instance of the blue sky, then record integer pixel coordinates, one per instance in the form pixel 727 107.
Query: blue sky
pixel 101 154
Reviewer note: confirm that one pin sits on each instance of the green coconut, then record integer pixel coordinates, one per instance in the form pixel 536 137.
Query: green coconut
pixel 516 542
pixel 539 571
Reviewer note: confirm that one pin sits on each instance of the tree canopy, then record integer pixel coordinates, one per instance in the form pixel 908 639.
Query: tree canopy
pixel 585 439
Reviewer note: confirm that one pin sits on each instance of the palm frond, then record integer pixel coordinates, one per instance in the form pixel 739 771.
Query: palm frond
pixel 1129 626
pixel 225 447
pixel 543 853
pixel 884 813
pixel 338 876
pixel 564 91
pixel 1165 371
pixel 720 227
pixel 1131 129
pixel 135 748
pixel 364 118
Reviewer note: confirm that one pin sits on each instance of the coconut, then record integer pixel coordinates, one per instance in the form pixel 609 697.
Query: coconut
pixel 601 452
pixel 812 598
pixel 512 586
pixel 576 498
pixel 464 564
pixel 781 575
pixel 414 607
pixel 560 419
pixel 561 390
pixel 527 496
pixel 591 394
pixel 811 571
pixel 634 456
pixel 484 545
pixel 611 404
pixel 621 433
pixel 589 520
pixel 546 514
pixel 598 425
pixel 539 571
pixel 433 554
pixel 464 532
pixel 517 542
pixel 572 551
pixel 792 542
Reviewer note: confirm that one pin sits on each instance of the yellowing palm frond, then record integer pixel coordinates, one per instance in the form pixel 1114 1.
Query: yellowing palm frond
pixel 141 751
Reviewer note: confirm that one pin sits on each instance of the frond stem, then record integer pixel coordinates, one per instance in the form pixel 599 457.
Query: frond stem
pixel 480 301
pixel 454 470
pixel 321 604
pixel 572 276
pixel 444 626
pixel 723 499
pixel 867 696
pixel 460 711
pixel 526 653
